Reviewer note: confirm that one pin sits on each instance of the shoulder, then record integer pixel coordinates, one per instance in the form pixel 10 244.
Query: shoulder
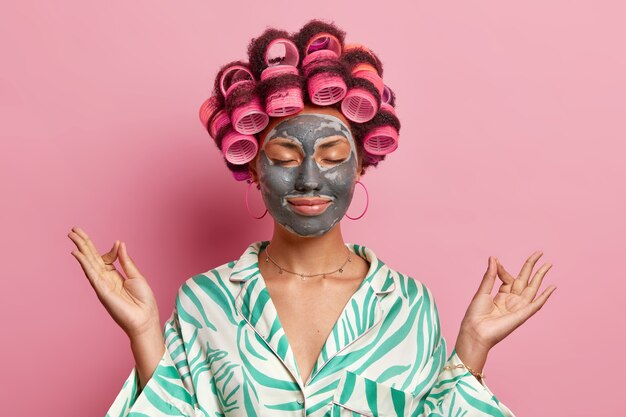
pixel 213 284
pixel 412 291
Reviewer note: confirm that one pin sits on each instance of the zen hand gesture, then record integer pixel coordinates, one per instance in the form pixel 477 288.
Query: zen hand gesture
pixel 129 301
pixel 489 320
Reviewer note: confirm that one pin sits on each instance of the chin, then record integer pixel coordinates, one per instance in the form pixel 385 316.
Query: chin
pixel 302 231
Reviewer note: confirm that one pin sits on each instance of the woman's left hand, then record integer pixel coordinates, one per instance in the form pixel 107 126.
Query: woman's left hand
pixel 489 320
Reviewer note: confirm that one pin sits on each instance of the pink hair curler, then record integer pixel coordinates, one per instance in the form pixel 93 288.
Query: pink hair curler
pixel 238 148
pixel 207 110
pixel 286 101
pixel 369 73
pixel 386 96
pixel 381 140
pixel 250 118
pixel 325 88
pixel 372 159
pixel 360 105
pixel 234 76
pixel 388 107
pixel 316 58
pixel 323 41
pixel 220 120
pixel 282 52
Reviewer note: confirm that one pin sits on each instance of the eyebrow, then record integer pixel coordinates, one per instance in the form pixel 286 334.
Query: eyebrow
pixel 330 143
pixel 285 142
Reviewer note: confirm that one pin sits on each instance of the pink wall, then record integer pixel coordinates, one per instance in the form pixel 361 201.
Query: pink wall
pixel 512 140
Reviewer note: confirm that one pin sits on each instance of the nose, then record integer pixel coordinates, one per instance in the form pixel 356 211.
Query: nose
pixel 308 178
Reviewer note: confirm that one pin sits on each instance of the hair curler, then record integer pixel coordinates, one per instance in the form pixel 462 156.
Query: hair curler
pixel 283 101
pixel 207 110
pixel 212 116
pixel 329 87
pixel 383 139
pixel 220 120
pixel 282 51
pixel 282 58
pixel 238 148
pixel 359 104
pixel 249 117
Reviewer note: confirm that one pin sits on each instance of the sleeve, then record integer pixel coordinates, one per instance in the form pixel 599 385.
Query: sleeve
pixel 170 391
pixel 455 391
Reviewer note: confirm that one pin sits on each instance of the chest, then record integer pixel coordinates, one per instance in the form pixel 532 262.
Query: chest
pixel 308 312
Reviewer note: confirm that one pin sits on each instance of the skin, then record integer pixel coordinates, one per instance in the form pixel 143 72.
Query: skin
pixel 309 245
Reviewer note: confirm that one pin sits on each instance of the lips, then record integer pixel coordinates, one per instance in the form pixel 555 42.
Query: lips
pixel 309 206
pixel 301 201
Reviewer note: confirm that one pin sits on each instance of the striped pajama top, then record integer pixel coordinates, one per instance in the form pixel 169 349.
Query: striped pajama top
pixel 226 354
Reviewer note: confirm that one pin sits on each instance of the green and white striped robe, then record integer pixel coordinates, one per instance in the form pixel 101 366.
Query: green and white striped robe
pixel 227 354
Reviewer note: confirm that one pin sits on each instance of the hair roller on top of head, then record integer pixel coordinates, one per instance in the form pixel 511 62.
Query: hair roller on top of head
pixel 238 87
pixel 276 57
pixel 363 98
pixel 321 45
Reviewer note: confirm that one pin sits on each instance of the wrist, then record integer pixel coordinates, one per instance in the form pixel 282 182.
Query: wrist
pixel 471 353
pixel 148 334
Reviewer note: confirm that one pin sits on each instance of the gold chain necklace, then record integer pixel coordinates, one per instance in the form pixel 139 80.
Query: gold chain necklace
pixel 302 275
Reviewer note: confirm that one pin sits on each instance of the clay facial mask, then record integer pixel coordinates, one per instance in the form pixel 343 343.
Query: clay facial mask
pixel 307 171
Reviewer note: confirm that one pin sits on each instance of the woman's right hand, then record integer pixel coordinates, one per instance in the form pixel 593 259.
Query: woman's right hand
pixel 129 301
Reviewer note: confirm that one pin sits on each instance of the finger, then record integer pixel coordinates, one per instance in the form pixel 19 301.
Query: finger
pixel 127 263
pixel 505 277
pixel 111 255
pixel 81 245
pixel 503 274
pixel 92 275
pixel 531 290
pixel 530 309
pixel 522 279
pixel 94 252
pixel 486 285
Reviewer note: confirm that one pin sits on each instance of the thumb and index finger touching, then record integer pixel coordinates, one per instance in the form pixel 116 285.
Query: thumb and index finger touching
pixel 129 266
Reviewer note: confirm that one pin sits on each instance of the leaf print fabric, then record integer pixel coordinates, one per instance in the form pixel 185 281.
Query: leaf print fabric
pixel 227 354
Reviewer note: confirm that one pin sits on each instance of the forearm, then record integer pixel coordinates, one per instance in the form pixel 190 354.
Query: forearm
pixel 147 350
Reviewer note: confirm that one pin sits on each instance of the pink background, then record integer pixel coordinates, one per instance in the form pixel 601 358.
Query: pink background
pixel 513 140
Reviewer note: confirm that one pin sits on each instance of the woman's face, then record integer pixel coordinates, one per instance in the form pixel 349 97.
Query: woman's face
pixel 307 168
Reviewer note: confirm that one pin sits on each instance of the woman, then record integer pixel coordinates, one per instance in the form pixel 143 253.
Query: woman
pixel 305 324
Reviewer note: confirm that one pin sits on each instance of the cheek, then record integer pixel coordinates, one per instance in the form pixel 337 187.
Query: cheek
pixel 274 180
pixel 342 177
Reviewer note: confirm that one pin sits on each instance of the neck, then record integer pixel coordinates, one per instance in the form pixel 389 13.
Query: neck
pixel 309 255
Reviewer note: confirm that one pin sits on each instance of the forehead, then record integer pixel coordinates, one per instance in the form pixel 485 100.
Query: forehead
pixel 307 128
